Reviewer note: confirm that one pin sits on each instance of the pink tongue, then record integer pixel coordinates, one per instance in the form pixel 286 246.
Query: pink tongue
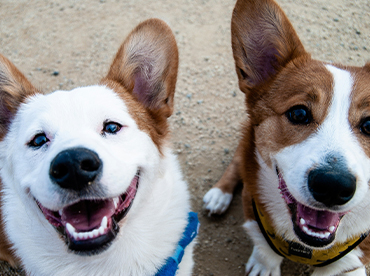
pixel 318 219
pixel 88 214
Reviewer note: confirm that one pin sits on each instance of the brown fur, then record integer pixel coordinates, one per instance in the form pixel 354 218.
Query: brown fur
pixel 276 73
pixel 360 106
pixel 14 90
pixel 150 49
pixel 6 254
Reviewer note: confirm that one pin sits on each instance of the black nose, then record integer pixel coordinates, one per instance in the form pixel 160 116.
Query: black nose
pixel 75 168
pixel 331 186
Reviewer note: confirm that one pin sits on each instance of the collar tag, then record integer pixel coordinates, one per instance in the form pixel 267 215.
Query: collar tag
pixel 299 250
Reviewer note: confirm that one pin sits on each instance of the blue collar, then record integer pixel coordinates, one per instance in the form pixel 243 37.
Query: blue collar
pixel 172 263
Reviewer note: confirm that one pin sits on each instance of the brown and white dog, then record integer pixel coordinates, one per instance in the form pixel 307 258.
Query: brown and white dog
pixel 89 183
pixel 304 157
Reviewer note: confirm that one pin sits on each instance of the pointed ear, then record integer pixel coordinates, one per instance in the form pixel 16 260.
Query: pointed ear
pixel 263 41
pixel 14 89
pixel 146 65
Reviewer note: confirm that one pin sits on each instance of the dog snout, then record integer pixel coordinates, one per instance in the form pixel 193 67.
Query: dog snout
pixel 331 186
pixel 75 168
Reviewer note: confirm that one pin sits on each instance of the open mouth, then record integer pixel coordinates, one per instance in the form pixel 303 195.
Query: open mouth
pixel 313 227
pixel 89 226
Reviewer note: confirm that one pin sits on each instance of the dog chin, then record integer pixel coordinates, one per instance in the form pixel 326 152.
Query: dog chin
pixel 90 226
pixel 315 228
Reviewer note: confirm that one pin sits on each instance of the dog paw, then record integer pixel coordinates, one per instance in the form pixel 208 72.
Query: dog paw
pixel 216 201
pixel 258 266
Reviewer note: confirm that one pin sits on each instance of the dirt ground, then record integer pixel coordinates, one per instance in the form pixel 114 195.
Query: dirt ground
pixel 67 43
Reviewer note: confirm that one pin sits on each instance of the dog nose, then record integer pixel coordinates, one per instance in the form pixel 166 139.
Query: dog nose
pixel 331 187
pixel 75 168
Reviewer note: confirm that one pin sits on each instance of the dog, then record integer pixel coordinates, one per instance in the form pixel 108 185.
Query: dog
pixel 89 183
pixel 304 155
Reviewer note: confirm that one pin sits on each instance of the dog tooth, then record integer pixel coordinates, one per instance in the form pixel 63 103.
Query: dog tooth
pixel 95 232
pixel 305 229
pixel 60 212
pixel 101 230
pixel 302 221
pixel 327 234
pixel 309 232
pixel 104 222
pixel 70 228
pixel 331 228
pixel 115 201
pixel 75 235
pixel 91 235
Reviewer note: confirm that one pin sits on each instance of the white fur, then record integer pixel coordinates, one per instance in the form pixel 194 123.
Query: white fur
pixel 153 226
pixel 216 201
pixel 263 261
pixel 333 136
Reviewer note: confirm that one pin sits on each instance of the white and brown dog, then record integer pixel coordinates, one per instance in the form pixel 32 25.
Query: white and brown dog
pixel 304 157
pixel 89 183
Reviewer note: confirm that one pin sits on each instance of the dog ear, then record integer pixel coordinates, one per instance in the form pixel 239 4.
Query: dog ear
pixel 263 41
pixel 14 89
pixel 146 65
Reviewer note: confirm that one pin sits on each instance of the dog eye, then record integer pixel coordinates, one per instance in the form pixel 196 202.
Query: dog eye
pixel 38 141
pixel 365 126
pixel 299 115
pixel 111 127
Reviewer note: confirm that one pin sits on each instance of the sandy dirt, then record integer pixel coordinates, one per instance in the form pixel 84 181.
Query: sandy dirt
pixel 64 44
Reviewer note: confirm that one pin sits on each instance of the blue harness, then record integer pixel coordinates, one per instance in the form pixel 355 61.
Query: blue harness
pixel 172 263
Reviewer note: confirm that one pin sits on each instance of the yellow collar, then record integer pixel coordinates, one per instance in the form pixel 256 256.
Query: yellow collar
pixel 299 253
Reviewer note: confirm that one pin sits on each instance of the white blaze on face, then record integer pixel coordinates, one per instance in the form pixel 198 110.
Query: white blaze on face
pixel 334 137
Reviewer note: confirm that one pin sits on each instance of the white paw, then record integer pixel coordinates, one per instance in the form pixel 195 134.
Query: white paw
pixel 216 202
pixel 259 266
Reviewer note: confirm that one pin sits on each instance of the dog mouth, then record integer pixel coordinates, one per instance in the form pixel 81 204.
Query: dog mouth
pixel 316 228
pixel 89 226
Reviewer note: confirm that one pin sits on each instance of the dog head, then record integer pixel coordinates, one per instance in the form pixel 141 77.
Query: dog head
pixel 311 127
pixel 75 159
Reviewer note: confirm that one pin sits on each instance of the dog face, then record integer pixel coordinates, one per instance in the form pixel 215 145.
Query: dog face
pixel 76 159
pixel 310 123
pixel 79 155
pixel 319 156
